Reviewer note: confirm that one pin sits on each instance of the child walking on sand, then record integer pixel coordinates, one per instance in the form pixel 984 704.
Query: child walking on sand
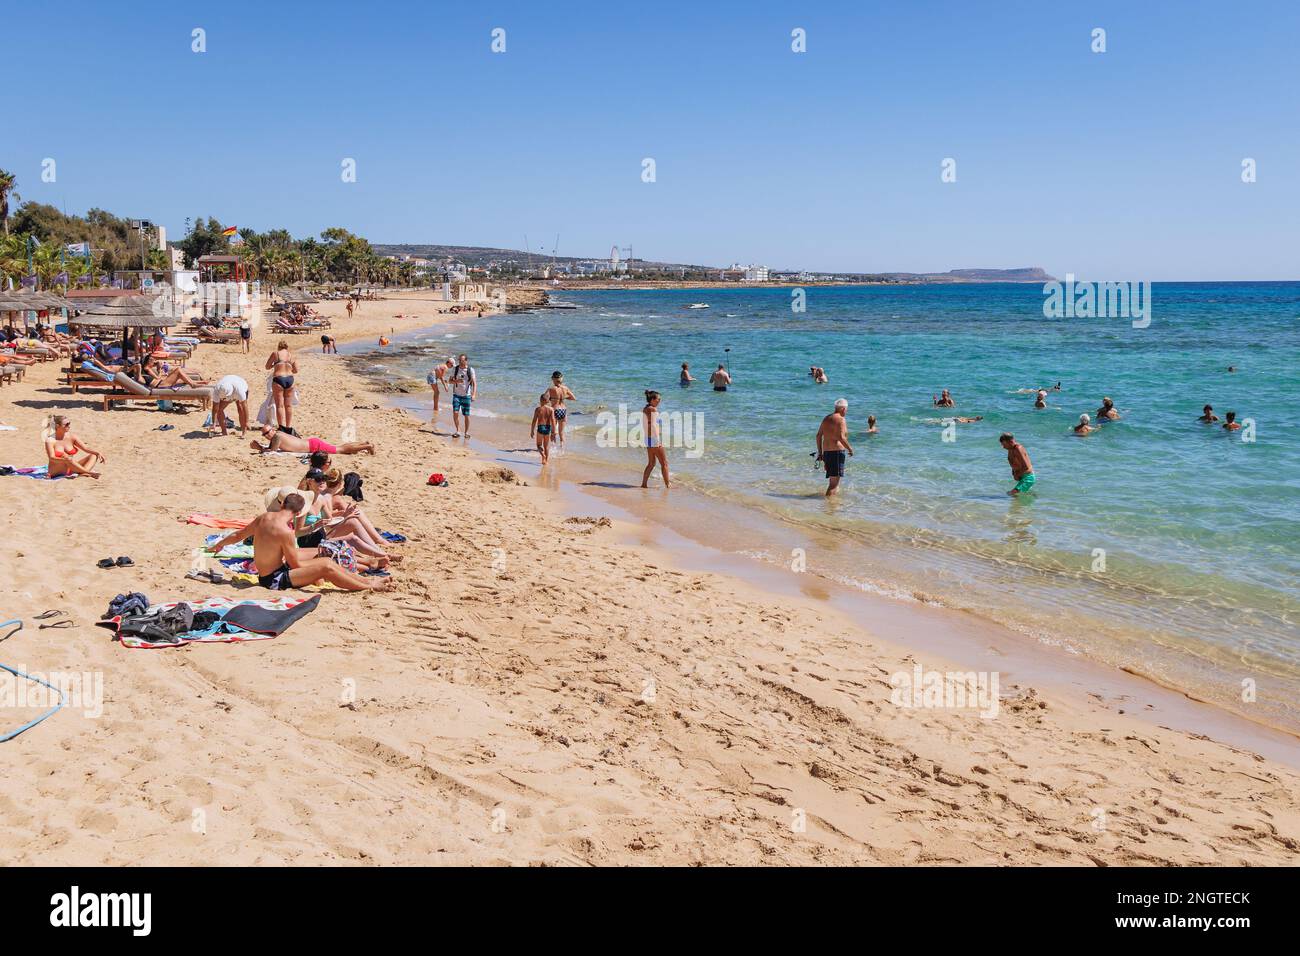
pixel 543 425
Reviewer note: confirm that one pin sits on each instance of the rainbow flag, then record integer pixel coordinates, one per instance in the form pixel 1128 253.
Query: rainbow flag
pixel 230 231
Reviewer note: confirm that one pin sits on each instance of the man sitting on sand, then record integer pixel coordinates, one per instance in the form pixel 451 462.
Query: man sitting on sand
pixel 281 441
pixel 279 562
pixel 1022 470
pixel 833 444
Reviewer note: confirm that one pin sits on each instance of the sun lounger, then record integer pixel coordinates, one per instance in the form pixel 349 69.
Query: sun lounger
pixel 129 389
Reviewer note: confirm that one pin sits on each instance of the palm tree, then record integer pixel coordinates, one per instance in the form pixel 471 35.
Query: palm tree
pixel 6 189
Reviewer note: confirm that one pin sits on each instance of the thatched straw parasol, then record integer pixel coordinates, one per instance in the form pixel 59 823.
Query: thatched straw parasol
pixel 131 312
pixel 296 297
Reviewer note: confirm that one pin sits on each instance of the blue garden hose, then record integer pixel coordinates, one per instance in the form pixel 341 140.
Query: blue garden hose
pixel 62 697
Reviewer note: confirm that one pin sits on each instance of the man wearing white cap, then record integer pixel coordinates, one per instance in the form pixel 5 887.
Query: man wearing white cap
pixel 229 389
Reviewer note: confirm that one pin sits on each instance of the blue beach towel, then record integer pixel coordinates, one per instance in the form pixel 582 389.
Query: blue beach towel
pixel 40 471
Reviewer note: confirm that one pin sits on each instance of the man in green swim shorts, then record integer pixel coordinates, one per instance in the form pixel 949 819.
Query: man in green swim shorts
pixel 1021 468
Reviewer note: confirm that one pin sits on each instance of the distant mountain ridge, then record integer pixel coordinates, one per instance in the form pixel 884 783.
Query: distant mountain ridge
pixel 1024 274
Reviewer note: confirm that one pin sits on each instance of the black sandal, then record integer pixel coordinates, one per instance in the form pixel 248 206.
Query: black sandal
pixel 49 614
pixel 66 622
pixel 125 563
pixel 106 563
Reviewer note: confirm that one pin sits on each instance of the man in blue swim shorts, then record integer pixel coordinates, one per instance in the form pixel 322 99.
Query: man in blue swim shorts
pixel 464 389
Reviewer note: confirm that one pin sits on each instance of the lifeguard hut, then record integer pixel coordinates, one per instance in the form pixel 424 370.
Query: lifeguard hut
pixel 223 284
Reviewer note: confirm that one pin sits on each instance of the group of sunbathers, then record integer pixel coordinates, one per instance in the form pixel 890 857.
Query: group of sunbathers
pixel 301 316
pixel 315 534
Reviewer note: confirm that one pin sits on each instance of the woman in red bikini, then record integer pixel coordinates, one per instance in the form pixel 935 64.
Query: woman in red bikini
pixel 61 449
pixel 282 441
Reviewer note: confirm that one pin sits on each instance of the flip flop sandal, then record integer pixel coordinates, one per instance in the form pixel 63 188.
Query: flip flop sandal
pixel 106 563
pixel 49 614
pixel 125 563
pixel 59 624
pixel 164 428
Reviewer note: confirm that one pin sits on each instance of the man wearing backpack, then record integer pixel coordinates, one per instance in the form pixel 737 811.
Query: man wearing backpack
pixel 464 389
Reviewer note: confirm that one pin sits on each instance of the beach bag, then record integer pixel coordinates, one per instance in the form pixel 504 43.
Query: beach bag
pixel 352 486
pixel 135 602
pixel 165 626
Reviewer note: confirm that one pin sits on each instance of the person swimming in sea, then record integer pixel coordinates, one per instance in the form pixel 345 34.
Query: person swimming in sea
pixel 543 425
pixel 1230 422
pixel 1041 400
pixel 1207 415
pixel 944 400
pixel 1084 427
pixel 1108 412
pixel 720 379
pixel 871 425
pixel 686 377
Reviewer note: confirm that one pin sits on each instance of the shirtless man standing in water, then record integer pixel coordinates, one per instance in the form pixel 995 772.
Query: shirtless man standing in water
pixel 1022 470
pixel 833 445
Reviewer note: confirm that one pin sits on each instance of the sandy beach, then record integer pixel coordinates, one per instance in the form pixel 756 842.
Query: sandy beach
pixel 535 690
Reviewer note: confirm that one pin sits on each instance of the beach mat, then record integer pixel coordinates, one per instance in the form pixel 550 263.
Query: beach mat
pixel 270 622
pixel 272 618
pixel 245 577
pixel 40 471
pixel 212 521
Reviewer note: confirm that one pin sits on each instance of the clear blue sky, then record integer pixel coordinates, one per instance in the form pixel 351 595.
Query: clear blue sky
pixel 1119 165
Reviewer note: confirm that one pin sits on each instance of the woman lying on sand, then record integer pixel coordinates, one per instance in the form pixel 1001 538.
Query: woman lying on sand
pixel 281 441
pixel 61 449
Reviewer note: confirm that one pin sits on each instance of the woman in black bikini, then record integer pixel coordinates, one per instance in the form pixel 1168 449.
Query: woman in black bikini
pixel 559 392
pixel 283 368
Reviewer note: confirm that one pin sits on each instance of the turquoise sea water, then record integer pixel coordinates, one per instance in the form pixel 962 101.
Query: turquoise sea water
pixel 1200 530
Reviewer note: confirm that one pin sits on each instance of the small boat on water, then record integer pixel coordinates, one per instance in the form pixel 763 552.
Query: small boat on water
pixel 696 305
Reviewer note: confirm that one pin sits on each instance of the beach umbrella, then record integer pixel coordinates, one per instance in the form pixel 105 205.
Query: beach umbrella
pixel 129 313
